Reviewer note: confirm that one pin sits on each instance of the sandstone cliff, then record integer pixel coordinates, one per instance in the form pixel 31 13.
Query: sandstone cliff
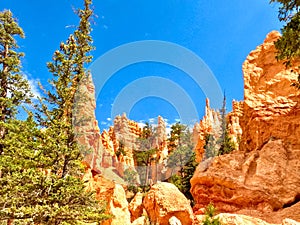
pixel 263 177
pixel 211 125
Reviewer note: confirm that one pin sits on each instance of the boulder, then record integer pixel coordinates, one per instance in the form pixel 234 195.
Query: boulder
pixel 136 206
pixel 164 201
pixel 114 197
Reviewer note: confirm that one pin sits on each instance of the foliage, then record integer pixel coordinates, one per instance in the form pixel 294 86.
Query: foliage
pixel 210 146
pixel 177 130
pixel 40 164
pixel 210 213
pixel 226 144
pixel 288 45
pixel 182 159
pixel 121 149
pixel 130 176
pixel 15 90
pixel 145 155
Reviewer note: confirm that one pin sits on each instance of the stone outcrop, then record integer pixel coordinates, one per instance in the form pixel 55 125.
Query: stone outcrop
pixel 124 135
pixel 264 175
pixel 271 104
pixel 164 201
pixel 233 118
pixel 114 196
pixel 126 132
pixel 136 206
pixel 210 124
pixel 86 127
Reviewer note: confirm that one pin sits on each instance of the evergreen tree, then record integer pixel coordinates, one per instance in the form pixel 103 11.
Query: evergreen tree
pixel 288 45
pixel 226 144
pixel 175 135
pixel 14 90
pixel 182 159
pixel 145 155
pixel 63 155
pixel 210 146
pixel 40 169
pixel 16 140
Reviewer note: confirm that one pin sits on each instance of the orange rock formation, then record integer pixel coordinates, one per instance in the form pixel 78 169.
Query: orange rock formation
pixel 264 175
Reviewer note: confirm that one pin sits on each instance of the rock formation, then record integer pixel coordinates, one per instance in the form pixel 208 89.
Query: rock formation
pixel 271 104
pixel 164 201
pixel 102 151
pixel 210 124
pixel 113 195
pixel 85 124
pixel 233 118
pixel 136 206
pixel 264 175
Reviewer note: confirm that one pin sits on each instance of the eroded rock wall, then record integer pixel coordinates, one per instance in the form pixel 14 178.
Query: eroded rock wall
pixel 264 174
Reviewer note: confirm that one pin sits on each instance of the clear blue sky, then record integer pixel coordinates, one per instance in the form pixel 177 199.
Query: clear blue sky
pixel 221 32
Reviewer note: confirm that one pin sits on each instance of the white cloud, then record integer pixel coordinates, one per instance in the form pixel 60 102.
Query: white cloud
pixel 152 120
pixel 34 85
pixel 141 124
pixel 108 119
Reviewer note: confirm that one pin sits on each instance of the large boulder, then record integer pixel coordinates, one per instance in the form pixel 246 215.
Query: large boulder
pixel 164 201
pixel 113 195
pixel 136 206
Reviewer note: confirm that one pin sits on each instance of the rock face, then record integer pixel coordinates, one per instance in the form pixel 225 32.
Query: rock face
pixel 136 206
pixel 164 201
pixel 210 124
pixel 124 134
pixel 271 105
pixel 85 124
pixel 264 175
pixel 113 194
pixel 233 118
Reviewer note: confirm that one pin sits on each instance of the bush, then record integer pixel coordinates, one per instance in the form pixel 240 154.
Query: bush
pixel 210 213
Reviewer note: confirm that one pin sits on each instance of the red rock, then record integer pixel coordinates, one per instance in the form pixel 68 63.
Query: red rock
pixel 264 175
pixel 163 201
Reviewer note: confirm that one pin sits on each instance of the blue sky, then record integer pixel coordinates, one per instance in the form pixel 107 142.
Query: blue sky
pixel 220 32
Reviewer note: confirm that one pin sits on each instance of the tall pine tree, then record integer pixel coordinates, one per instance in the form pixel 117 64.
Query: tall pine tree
pixel 226 144
pixel 14 88
pixel 63 155
pixel 41 169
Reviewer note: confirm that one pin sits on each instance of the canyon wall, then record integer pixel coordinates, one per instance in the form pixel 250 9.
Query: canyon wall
pixel 263 176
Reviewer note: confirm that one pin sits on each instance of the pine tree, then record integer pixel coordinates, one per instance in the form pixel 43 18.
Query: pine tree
pixel 226 144
pixel 145 155
pixel 16 141
pixel 40 169
pixel 210 146
pixel 61 150
pixel 182 159
pixel 14 88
